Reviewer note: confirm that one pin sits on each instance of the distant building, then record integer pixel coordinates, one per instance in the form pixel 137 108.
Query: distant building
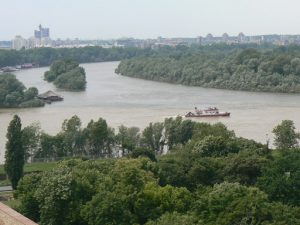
pixel 5 44
pixel 225 37
pixel 42 32
pixel 199 40
pixel 18 43
pixel 209 36
pixel 241 37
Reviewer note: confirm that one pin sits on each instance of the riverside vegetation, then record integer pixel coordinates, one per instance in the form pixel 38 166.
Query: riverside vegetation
pixel 66 74
pixel 270 69
pixel 46 56
pixel 209 176
pixel 14 94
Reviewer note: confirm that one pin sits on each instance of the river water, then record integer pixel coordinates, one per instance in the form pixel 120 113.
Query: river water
pixel 135 102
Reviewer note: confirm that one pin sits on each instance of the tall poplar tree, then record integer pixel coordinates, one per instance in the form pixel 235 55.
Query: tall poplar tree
pixel 14 154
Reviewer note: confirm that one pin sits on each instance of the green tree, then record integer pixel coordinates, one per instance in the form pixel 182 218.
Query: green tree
pixel 152 135
pixel 286 136
pixel 143 152
pixel 14 154
pixel 97 137
pixel 205 171
pixel 173 169
pixel 281 178
pixel 52 146
pixel 31 140
pixel 62 192
pixel 153 201
pixel 30 93
pixel 14 94
pixel 74 139
pixel 117 193
pixel 66 74
pixel 128 138
pixel 29 205
pixel 231 203
pixel 202 130
pixel 211 146
pixel 244 167
pixel 175 219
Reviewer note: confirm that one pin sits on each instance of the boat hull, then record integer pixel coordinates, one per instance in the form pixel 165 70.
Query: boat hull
pixel 225 114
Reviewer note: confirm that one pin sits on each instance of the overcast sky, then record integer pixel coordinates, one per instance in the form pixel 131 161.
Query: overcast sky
pixel 103 19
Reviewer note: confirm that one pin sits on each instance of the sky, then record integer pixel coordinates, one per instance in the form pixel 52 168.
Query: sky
pixel 106 19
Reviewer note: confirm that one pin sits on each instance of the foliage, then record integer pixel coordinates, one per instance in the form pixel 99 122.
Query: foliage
pixel 230 180
pixel 152 135
pixel 31 140
pixel 281 178
pixel 245 167
pixel 174 169
pixel 66 74
pixel 205 171
pixel 14 94
pixel 274 69
pixel 285 135
pixel 211 146
pixel 117 194
pixel 231 203
pixel 32 103
pixel 143 152
pixel 29 206
pixel 154 201
pixel 174 219
pixel 128 138
pixel 14 154
pixel 202 130
pixel 46 56
pixel 97 138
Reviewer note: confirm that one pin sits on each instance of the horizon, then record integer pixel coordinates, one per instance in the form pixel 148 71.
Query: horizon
pixel 174 37
pixel 102 20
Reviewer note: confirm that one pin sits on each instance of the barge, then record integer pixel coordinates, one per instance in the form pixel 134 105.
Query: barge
pixel 208 112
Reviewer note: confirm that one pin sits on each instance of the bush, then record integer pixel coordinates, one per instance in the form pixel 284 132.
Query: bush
pixel 32 103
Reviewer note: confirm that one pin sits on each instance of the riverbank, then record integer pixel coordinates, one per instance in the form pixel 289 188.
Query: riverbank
pixel 136 102
pixel 275 70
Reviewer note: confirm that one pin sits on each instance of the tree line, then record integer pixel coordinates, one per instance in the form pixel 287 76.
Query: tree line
pixel 270 69
pixel 209 176
pixel 46 56
pixel 98 139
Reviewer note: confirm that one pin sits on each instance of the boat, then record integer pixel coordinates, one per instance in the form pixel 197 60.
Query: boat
pixel 208 112
pixel 27 66
pixel 9 69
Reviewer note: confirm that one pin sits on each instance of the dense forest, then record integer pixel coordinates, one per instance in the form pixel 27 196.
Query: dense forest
pixel 270 69
pixel 66 74
pixel 209 176
pixel 46 56
pixel 14 94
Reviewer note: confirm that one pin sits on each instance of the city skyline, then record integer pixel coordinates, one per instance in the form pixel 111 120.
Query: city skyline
pixel 149 19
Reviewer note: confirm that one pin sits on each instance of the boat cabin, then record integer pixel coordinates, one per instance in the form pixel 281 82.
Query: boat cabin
pixel 50 96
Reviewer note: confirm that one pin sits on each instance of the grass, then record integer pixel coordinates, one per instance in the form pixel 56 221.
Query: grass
pixel 34 167
pixel 28 168
pixel 8 199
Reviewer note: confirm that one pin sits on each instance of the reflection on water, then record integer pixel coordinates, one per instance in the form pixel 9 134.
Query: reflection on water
pixel 134 102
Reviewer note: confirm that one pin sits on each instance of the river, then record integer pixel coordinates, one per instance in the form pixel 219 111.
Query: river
pixel 135 102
